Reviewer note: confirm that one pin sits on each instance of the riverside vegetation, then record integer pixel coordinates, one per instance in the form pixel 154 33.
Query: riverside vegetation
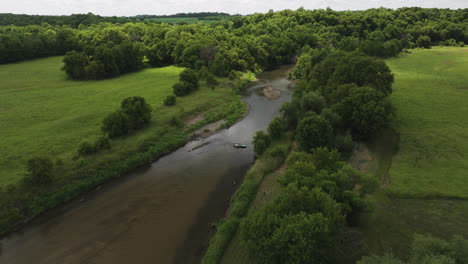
pixel 342 97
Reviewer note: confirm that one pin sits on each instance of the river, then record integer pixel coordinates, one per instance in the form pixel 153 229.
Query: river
pixel 160 214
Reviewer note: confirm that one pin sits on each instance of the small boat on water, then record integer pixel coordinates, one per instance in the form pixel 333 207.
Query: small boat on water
pixel 238 145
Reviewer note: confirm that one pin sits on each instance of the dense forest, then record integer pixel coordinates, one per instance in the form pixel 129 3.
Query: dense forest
pixel 341 97
pixel 241 43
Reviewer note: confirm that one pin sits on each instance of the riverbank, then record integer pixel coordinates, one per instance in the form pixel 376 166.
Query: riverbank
pixel 265 166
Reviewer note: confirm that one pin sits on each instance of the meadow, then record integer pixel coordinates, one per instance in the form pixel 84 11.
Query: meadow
pixel 44 114
pixel 431 98
pixel 426 189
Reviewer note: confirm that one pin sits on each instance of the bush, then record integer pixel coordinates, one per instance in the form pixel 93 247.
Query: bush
pixel 170 100
pixel 211 80
pixel 188 82
pixel 278 151
pixel 87 148
pixel 39 170
pixel 116 124
pixel 134 114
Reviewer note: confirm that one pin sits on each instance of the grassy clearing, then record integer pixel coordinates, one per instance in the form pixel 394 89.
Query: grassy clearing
pixel 226 236
pixel 44 114
pixel 426 191
pixel 431 95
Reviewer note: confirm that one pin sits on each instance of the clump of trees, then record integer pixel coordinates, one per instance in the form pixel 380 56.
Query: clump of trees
pixel 134 114
pixel 319 197
pixel 104 61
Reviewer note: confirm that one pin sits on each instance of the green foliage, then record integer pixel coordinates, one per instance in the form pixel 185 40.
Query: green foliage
pixel 424 42
pixel 386 259
pixel 261 142
pixel 39 170
pixel 138 111
pixel 88 148
pixel 170 100
pixel 312 101
pixel 276 128
pixel 134 114
pixel 188 82
pixel 365 112
pixel 211 80
pixel 313 132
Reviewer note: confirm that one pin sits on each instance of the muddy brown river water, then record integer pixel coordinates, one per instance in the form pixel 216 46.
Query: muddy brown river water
pixel 160 214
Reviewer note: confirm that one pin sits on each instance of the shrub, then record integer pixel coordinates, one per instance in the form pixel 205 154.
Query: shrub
pixel 87 148
pixel 211 80
pixel 116 124
pixel 278 151
pixel 170 100
pixel 39 170
pixel 134 114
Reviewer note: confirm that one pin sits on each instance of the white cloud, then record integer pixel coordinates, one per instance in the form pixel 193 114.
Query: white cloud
pixel 159 7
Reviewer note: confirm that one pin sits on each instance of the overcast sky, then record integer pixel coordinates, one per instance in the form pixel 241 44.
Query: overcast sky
pixel 160 7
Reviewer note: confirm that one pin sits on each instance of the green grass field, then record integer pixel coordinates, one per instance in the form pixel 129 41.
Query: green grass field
pixel 428 175
pixel 42 113
pixel 431 98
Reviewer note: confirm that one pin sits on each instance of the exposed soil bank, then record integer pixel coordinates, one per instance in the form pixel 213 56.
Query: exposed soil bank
pixel 161 214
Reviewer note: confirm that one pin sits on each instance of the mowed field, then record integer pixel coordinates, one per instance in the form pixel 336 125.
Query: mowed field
pixel 42 113
pixel 431 98
pixel 427 191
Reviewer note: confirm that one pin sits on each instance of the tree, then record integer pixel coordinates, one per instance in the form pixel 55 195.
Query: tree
pixel 138 111
pixel 181 88
pixel 261 142
pixel 365 111
pixel 170 100
pixel 39 170
pixel 424 42
pixel 116 124
pixel 74 64
pixel 189 76
pixel 275 128
pixel 313 132
pixel 312 101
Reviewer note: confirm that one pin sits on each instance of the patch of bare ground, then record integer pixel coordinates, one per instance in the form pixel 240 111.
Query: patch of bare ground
pixel 195 119
pixel 361 158
pixel 271 93
pixel 209 129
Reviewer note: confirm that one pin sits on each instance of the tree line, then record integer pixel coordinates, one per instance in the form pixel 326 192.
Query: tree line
pixel 243 43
